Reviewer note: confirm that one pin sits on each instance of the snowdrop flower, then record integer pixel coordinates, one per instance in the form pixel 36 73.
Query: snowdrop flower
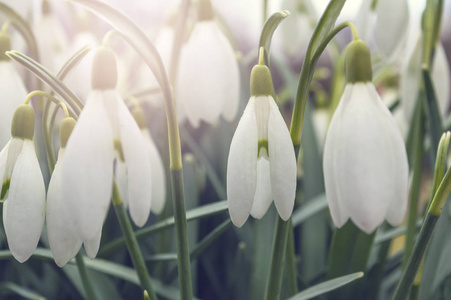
pixel 156 164
pixel 12 87
pixel 105 134
pixel 411 77
pixel 23 190
pixel 261 164
pixel 63 240
pixel 208 76
pixel 365 161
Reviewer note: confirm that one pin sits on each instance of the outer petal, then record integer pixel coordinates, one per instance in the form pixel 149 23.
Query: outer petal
pixel 87 173
pixel 370 159
pixel 63 240
pixel 158 174
pixel 13 94
pixel 391 26
pixel 138 162
pixel 263 193
pixel 208 78
pixel 92 245
pixel 242 167
pixel 282 162
pixel 3 161
pixel 441 78
pixel 23 212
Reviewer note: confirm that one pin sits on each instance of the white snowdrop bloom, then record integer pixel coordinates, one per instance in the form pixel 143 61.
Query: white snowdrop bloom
pixel 63 240
pixel 23 190
pixel 261 164
pixel 411 78
pixel 105 132
pixel 365 161
pixel 208 76
pixel 156 164
pixel 13 90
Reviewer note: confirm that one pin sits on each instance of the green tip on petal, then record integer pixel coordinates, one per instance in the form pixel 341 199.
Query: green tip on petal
pixel 22 125
pixel 118 148
pixel 66 127
pixel 104 69
pixel 5 45
pixel 5 188
pixel 358 62
pixel 263 144
pixel 138 114
pixel 205 11
pixel 261 81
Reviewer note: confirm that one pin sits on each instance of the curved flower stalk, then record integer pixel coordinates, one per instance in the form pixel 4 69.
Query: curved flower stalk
pixel 365 161
pixel 105 134
pixel 156 163
pixel 63 240
pixel 261 164
pixel 12 87
pixel 208 77
pixel 389 20
pixel 411 77
pixel 23 190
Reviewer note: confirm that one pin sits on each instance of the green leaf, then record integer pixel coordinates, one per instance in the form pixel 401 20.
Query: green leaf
pixel 309 209
pixel 20 291
pixel 194 214
pixel 268 30
pixel 327 286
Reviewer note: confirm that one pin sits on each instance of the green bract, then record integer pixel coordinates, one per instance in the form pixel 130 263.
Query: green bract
pixel 261 82
pixel 138 114
pixel 358 62
pixel 205 11
pixel 23 122
pixel 66 127
pixel 104 69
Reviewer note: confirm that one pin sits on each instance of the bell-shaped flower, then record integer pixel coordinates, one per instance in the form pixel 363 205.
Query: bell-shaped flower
pixel 365 161
pixel 208 77
pixel 261 164
pixel 411 78
pixel 23 190
pixel 156 164
pixel 63 240
pixel 13 90
pixel 106 134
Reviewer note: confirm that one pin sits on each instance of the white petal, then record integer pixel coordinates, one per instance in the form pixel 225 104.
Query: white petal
pixel 208 81
pixel 87 173
pixel 3 162
pixel 391 26
pixel 158 174
pixel 138 162
pixel 370 162
pixel 62 237
pixel 15 147
pixel 441 78
pixel 92 245
pixel 242 167
pixel 282 162
pixel 13 94
pixel 23 212
pixel 263 193
pixel 364 21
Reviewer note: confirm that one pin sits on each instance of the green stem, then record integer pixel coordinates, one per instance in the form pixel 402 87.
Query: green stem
pixel 277 263
pixel 87 284
pixel 183 256
pixel 415 259
pixel 132 244
pixel 416 180
pixel 292 288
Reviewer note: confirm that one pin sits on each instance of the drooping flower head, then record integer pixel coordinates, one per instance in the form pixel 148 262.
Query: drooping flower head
pixel 365 161
pixel 106 135
pixel 261 165
pixel 208 77
pixel 23 190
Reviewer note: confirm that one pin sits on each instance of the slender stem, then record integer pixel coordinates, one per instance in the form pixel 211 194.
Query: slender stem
pixel 291 264
pixel 404 285
pixel 183 256
pixel 87 284
pixel 132 244
pixel 277 263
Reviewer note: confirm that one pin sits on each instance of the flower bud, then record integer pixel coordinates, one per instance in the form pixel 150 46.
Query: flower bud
pixel 104 69
pixel 66 127
pixel 5 45
pixel 261 81
pixel 358 62
pixel 23 122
